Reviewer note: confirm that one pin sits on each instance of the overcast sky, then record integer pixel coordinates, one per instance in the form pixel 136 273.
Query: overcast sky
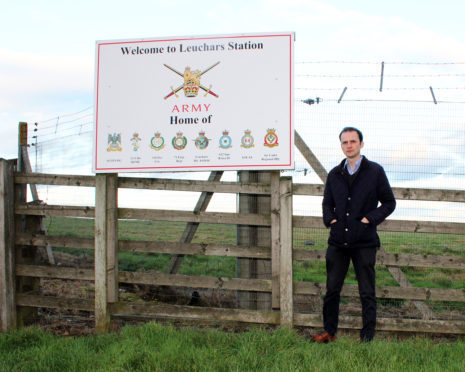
pixel 47 47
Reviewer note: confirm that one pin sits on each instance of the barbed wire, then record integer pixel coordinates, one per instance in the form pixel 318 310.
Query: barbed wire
pixel 65 115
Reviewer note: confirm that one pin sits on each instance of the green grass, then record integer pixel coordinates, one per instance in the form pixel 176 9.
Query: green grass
pixel 156 347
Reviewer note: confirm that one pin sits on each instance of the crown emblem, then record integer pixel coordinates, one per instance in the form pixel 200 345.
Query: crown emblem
pixel 191 83
pixel 271 139
pixel 201 142
pixel 157 142
pixel 225 140
pixel 179 142
pixel 247 140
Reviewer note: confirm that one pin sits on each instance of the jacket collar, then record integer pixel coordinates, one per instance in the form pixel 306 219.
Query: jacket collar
pixel 364 164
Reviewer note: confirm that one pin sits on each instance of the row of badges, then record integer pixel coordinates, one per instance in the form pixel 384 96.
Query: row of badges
pixel 179 142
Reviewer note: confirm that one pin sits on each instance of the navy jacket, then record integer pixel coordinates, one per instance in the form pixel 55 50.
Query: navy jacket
pixel 349 204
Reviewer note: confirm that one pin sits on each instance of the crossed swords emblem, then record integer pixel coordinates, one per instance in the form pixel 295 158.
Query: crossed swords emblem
pixel 191 82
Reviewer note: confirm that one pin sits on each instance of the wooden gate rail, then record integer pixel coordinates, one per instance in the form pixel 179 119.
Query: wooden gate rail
pixel 401 193
pixel 237 284
pixel 126 309
pixel 230 250
pixel 232 218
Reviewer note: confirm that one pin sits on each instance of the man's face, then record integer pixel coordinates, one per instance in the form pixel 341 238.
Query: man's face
pixel 350 144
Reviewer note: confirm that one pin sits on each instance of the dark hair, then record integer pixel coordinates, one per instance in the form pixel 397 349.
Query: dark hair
pixel 352 129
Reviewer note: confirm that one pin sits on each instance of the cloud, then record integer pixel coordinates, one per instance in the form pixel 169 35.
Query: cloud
pixel 24 73
pixel 338 32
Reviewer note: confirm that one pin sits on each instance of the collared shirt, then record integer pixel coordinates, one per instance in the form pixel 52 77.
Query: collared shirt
pixel 356 166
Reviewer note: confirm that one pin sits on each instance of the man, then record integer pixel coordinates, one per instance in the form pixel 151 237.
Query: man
pixel 350 208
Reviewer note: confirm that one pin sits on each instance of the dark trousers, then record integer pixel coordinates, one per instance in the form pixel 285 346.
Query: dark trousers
pixel 337 264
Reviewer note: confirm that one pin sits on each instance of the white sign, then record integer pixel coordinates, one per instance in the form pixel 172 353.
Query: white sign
pixel 194 103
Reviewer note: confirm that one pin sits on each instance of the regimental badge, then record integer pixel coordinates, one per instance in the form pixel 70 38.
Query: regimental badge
pixel 201 142
pixel 191 83
pixel 247 140
pixel 114 142
pixel 271 139
pixel 157 142
pixel 135 141
pixel 225 140
pixel 179 141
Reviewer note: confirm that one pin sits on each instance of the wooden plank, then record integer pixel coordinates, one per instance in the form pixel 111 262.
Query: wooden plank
pixel 310 157
pixel 54 210
pixel 391 259
pixel 233 218
pixel 285 271
pixel 308 189
pixel 57 272
pixel 387 324
pixel 401 193
pixel 193 185
pixel 194 313
pixel 191 227
pixel 229 250
pixel 195 281
pixel 258 285
pixel 415 260
pixel 60 303
pixel 54 179
pixel 102 313
pixel 185 216
pixel 393 225
pixel 275 240
pixel 402 293
pixel 54 241
pixel 7 248
pixel 207 249
pixel 226 187
pixel 423 227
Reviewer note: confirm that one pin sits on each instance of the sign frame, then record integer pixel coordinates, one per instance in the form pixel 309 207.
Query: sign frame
pixel 232 110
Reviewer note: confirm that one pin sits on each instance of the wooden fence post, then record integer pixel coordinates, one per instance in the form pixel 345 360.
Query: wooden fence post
pixel 275 239
pixel 106 242
pixel 286 272
pixel 7 245
pixel 254 236
pixel 112 237
pixel 25 255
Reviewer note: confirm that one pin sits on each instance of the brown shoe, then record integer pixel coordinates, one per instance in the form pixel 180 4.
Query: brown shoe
pixel 323 338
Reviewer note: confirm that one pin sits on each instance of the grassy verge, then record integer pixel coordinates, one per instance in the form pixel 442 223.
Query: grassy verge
pixel 155 347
